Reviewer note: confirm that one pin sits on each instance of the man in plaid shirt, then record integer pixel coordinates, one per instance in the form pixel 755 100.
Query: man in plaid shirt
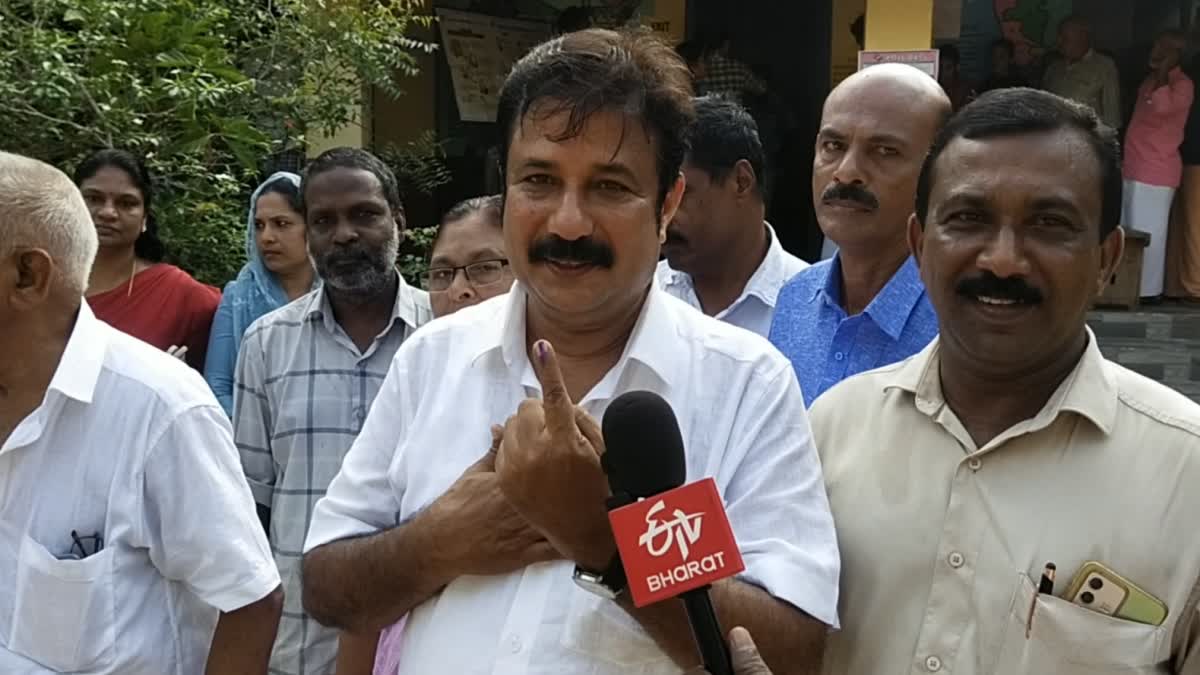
pixel 309 372
pixel 727 77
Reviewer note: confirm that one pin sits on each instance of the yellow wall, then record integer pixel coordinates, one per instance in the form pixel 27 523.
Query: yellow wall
pixel 899 24
pixel 670 12
pixel 844 50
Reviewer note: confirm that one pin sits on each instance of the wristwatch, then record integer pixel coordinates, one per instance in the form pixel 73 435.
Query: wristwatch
pixel 608 584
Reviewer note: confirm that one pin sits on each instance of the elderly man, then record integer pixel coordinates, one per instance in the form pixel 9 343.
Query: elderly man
pixel 1010 444
pixel 866 306
pixel 1084 75
pixel 479 547
pixel 1153 166
pixel 128 539
pixel 308 372
pixel 723 258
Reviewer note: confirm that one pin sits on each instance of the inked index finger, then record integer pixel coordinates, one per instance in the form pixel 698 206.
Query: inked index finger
pixel 556 402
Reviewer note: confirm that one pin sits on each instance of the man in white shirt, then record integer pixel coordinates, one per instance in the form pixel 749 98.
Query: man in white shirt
pixel 479 547
pixel 128 539
pixel 723 258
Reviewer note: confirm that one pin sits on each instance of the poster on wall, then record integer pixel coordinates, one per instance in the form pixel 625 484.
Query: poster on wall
pixel 924 60
pixel 1031 25
pixel 480 50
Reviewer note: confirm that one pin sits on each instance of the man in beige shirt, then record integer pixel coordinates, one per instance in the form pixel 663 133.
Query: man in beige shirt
pixel 1010 441
pixel 1083 74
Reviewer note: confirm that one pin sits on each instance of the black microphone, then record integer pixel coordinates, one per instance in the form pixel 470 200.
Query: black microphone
pixel 643 456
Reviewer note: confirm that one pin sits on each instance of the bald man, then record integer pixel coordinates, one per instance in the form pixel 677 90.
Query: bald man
pixel 865 307
pixel 128 538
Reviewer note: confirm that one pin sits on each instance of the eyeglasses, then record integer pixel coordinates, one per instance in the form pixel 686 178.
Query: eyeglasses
pixel 84 546
pixel 482 273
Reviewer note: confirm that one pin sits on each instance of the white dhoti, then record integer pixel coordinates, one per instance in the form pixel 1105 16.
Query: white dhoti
pixel 1148 208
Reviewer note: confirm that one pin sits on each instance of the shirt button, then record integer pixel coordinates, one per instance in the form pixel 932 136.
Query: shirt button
pixel 514 644
pixel 974 463
pixel 933 664
pixel 956 560
pixel 839 356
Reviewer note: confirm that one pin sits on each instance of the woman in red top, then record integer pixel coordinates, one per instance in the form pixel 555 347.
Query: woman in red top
pixel 131 288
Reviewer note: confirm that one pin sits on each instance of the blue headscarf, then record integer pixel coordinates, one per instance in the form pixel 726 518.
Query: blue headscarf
pixel 256 291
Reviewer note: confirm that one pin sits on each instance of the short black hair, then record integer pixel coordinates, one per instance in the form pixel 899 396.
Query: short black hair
pixel 1020 110
pixel 949 53
pixel 489 205
pixel 352 158
pixel 148 246
pixel 723 134
pixel 594 70
pixel 286 189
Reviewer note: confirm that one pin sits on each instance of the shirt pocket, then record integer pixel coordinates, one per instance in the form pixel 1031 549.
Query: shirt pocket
pixel 64 610
pixel 1067 639
pixel 600 630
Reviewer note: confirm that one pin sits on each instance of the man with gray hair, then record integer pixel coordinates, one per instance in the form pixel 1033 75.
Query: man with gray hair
pixel 109 449
pixel 308 372
pixel 1083 74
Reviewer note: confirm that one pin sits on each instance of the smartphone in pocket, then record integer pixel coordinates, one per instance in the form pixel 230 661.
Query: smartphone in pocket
pixel 1098 588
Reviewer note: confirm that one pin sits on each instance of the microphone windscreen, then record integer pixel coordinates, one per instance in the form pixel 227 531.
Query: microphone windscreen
pixel 643 449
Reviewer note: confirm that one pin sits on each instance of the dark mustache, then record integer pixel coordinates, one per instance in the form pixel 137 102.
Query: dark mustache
pixel 992 286
pixel 850 192
pixel 584 251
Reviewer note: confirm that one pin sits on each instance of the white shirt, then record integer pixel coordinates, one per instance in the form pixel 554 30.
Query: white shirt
pixel 743 423
pixel 129 443
pixel 755 307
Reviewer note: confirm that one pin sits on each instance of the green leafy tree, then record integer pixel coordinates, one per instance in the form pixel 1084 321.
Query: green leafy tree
pixel 206 90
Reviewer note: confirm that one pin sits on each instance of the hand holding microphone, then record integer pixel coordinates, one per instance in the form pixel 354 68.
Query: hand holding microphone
pixel 746 659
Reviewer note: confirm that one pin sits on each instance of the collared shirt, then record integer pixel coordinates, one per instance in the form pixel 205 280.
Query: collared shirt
pixel 728 78
pixel 129 444
pixel 755 307
pixel 1156 131
pixel 303 391
pixel 743 423
pixel 1092 80
pixel 943 541
pixel 826 346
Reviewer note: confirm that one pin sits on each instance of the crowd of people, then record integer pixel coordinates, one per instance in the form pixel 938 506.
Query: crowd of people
pixel 375 478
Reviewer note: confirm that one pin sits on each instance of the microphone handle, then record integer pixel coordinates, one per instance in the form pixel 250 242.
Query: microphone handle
pixel 707 632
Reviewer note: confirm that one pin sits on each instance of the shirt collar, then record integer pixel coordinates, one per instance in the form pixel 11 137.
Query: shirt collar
pixel 79 368
pixel 651 343
pixel 405 308
pixel 891 307
pixel 1090 390
pixel 764 284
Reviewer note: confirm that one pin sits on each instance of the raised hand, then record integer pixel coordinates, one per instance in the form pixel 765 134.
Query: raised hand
pixel 481 531
pixel 549 468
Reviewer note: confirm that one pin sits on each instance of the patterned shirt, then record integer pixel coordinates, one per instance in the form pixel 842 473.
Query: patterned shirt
pixel 728 78
pixel 1092 80
pixel 303 391
pixel 825 346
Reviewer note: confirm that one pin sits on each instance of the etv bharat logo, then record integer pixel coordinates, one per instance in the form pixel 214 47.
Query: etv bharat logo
pixel 683 529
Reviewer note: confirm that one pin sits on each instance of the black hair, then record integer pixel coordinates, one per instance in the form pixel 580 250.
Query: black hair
pixel 491 206
pixel 352 158
pixel 574 18
pixel 594 70
pixel 949 53
pixel 1017 111
pixel 723 134
pixel 286 189
pixel 148 246
pixel 691 51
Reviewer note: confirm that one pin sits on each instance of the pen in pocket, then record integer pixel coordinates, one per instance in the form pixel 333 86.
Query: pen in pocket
pixel 1045 587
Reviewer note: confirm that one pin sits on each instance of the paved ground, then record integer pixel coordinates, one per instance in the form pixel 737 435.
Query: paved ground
pixel 1162 343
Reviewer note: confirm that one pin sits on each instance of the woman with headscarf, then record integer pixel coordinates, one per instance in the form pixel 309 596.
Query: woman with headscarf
pixel 277 271
pixel 131 288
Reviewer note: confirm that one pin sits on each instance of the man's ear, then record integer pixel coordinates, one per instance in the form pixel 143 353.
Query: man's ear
pixel 916 238
pixel 401 223
pixel 670 206
pixel 32 279
pixel 1111 251
pixel 745 179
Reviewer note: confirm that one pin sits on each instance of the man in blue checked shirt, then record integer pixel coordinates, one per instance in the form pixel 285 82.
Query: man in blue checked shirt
pixel 866 307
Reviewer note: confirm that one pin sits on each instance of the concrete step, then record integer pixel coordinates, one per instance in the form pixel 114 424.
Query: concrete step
pixel 1162 343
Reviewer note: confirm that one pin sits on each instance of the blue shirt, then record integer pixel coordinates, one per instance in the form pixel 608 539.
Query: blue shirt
pixel 825 346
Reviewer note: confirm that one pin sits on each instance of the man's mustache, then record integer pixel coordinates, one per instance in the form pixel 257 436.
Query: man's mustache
pixel 989 285
pixel 583 251
pixel 851 192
